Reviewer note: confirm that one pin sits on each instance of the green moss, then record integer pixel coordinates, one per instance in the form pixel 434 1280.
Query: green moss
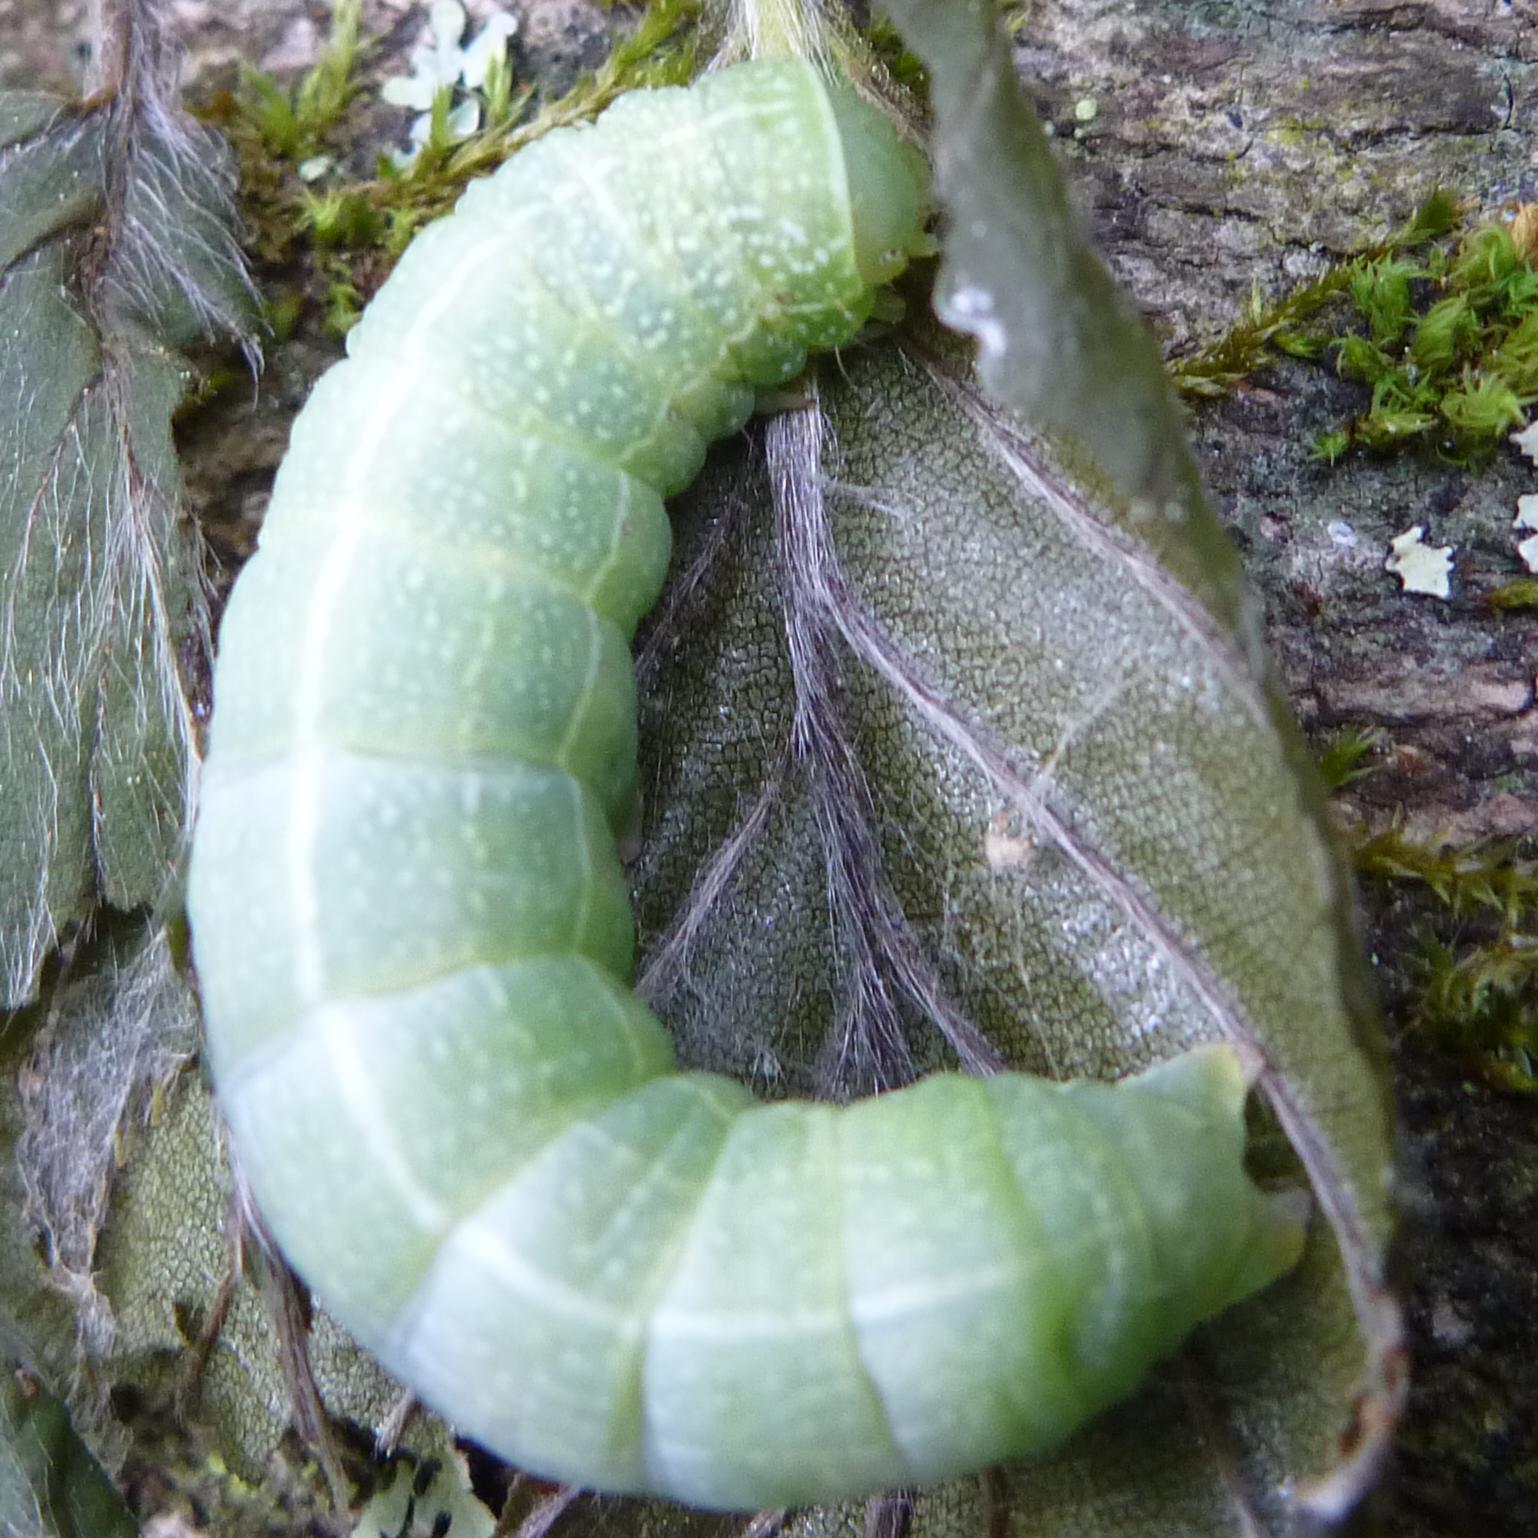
pixel 1331 444
pixel 282 313
pixel 1519 593
pixel 662 50
pixel 1484 406
pixel 1478 994
pixel 343 218
pixel 1381 291
pixel 905 66
pixel 1344 759
pixel 1481 1002
pixel 1466 880
pixel 344 300
pixel 1443 333
pixel 1014 16
pixel 276 130
pixel 294 121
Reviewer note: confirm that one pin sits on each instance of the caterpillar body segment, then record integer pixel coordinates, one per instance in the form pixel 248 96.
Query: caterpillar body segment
pixel 415 942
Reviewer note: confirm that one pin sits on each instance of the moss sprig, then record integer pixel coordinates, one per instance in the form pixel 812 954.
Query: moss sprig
pixel 1482 1003
pixel 1282 324
pixel 281 132
pixel 1519 593
pixel 1443 334
pixel 1478 988
pixel 1487 876
pixel 293 121
pixel 1346 758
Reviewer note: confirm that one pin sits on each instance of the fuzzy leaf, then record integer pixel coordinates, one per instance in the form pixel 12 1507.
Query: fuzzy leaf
pixel 116 249
pixel 79 1083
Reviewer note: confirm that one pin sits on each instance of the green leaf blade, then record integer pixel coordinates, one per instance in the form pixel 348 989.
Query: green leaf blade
pixel 117 249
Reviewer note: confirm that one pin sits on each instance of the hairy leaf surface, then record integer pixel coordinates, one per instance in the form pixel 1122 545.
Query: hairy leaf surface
pixel 116 250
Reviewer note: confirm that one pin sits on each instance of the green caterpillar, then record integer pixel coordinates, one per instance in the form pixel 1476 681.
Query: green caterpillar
pixel 414 936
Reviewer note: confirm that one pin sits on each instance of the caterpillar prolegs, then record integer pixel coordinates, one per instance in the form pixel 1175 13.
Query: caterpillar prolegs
pixel 414 936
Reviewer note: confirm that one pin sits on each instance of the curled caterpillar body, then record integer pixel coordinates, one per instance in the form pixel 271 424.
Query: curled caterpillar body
pixel 415 941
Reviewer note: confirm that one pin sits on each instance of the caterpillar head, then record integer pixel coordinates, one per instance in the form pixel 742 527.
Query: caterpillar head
pixel 889 187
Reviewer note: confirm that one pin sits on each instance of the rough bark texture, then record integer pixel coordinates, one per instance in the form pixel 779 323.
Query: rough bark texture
pixel 1244 145
pixel 1238 143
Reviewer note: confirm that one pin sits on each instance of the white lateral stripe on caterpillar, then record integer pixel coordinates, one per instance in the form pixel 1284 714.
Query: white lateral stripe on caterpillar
pixel 413 933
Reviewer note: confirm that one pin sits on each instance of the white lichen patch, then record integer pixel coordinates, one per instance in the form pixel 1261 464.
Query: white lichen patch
pixel 1006 847
pixel 1527 518
pixel 442 62
pixel 1421 568
pixel 1527 440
